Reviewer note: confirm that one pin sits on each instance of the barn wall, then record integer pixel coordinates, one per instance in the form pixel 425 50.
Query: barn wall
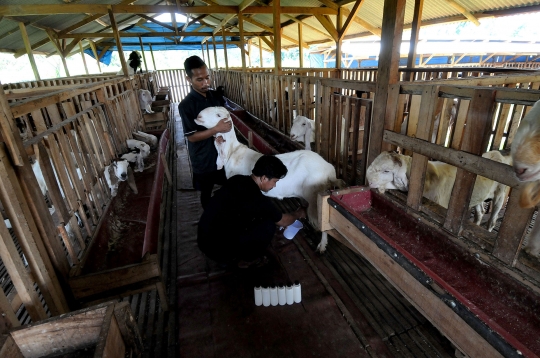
pixel 72 127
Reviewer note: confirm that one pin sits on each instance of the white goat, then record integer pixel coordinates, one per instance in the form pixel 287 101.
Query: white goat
pixel 114 173
pixel 136 158
pixel 149 139
pixel 140 145
pixel 145 100
pixel 392 171
pixel 303 130
pixel 525 152
pixel 308 173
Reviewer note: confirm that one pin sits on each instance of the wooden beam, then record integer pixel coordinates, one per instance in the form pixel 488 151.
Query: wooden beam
pixel 350 17
pixel 94 51
pixel 374 30
pixel 84 59
pixel 142 54
pixel 415 31
pixel 153 59
pixel 223 22
pixel 392 30
pixel 28 48
pixel 215 51
pixel 241 27
pixel 260 52
pixel 339 52
pixel 151 19
pixel 269 43
pixel 269 29
pixel 328 26
pixel 225 49
pixel 300 45
pixel 276 6
pixel 70 47
pixel 464 11
pixel 312 28
pixel 118 43
pixel 26 10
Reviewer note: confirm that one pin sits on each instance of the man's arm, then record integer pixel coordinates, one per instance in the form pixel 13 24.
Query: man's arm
pixel 223 126
pixel 288 219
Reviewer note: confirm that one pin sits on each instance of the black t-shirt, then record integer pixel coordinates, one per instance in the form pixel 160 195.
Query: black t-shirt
pixel 203 153
pixel 232 209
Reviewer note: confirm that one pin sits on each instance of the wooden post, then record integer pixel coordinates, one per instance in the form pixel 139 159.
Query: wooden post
pixel 82 55
pixel 415 31
pixel 215 51
pixel 339 42
pixel 29 50
pixel 392 29
pixel 250 47
pixel 300 45
pixel 242 47
pixel 225 48
pixel 152 54
pixel 277 36
pixel 202 53
pixel 118 42
pixel 94 50
pixel 260 52
pixel 142 53
pixel 208 55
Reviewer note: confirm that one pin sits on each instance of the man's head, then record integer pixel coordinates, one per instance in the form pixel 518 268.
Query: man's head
pixel 268 170
pixel 197 74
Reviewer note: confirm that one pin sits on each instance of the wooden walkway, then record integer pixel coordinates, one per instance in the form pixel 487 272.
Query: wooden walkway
pixel 347 308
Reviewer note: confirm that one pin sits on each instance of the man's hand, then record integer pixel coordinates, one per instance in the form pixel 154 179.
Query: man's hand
pixel 300 213
pixel 223 125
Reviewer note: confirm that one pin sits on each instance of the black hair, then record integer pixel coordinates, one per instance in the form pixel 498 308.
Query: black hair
pixel 191 63
pixel 135 61
pixel 269 166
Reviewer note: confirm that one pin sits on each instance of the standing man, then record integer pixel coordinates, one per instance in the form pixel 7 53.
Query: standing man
pixel 202 151
pixel 240 221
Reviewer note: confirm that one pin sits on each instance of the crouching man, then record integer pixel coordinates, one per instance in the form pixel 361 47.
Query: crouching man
pixel 239 221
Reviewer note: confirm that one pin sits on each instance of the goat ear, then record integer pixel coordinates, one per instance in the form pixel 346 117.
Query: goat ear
pixel 112 174
pixel 396 159
pixel 131 180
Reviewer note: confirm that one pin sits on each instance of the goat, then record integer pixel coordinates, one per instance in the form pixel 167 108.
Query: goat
pixel 149 139
pixel 135 157
pixel 116 172
pixel 140 145
pixel 525 153
pixel 392 171
pixel 308 173
pixel 134 63
pixel 303 130
pixel 145 100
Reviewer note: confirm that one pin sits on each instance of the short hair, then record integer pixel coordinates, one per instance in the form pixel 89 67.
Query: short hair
pixel 269 166
pixel 191 63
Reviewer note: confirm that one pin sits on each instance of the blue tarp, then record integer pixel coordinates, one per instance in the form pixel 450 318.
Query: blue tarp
pixel 160 43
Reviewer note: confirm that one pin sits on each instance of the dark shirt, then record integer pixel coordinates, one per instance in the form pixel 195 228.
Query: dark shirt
pixel 234 208
pixel 203 153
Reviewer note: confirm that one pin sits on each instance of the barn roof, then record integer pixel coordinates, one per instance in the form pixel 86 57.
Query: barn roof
pixel 55 25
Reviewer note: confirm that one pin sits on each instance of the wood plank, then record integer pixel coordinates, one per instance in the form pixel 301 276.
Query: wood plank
pixel 72 331
pixel 441 315
pixel 513 229
pixel 8 348
pixel 30 237
pixel 93 284
pixel 475 140
pixel 8 319
pixel 423 132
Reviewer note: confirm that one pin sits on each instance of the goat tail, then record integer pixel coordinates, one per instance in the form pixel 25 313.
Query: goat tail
pixel 530 195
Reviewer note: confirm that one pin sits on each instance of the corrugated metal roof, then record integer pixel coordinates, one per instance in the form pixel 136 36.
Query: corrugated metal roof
pixel 371 12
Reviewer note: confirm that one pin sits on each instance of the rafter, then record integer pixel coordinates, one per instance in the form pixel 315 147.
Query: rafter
pixel 151 19
pixel 350 17
pixel 374 30
pixel 19 10
pixel 269 29
pixel 154 34
pixel 464 11
pixel 328 26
